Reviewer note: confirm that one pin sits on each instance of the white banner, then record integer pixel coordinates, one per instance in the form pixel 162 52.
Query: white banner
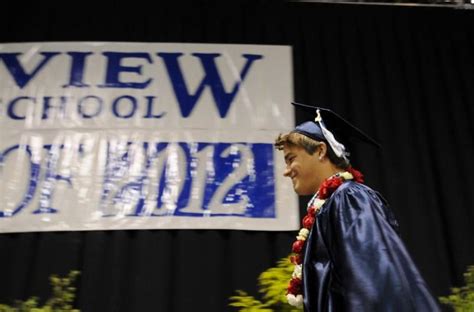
pixel 97 136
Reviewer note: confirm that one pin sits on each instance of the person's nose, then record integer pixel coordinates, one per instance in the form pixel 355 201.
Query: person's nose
pixel 287 172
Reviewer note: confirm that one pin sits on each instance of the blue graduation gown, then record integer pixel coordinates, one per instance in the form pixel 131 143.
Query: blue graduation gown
pixel 355 260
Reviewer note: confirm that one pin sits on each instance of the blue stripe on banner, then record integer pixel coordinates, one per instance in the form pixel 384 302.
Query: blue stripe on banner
pixel 218 179
pixel 255 183
pixel 176 179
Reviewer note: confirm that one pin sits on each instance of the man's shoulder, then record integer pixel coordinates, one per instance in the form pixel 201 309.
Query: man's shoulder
pixel 352 186
pixel 352 189
pixel 353 200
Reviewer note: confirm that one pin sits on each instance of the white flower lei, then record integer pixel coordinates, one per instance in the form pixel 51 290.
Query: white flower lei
pixel 297 300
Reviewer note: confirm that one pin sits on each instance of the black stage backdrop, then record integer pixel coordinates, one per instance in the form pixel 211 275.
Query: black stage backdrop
pixel 403 74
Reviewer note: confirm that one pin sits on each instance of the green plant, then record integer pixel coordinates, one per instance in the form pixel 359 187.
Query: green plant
pixel 462 299
pixel 272 284
pixel 62 297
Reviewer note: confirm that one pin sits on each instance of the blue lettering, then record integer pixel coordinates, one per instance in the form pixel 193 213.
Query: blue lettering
pixel 212 79
pixel 174 180
pixel 77 69
pixel 133 194
pixel 117 162
pixel 116 102
pixel 149 108
pixel 114 68
pixel 31 189
pixel 17 71
pixel 48 186
pixel 47 106
pixel 11 107
pixel 80 109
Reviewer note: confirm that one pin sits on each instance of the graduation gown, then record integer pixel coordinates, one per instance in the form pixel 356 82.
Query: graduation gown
pixel 355 260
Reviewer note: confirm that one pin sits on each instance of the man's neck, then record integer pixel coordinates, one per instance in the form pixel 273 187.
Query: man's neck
pixel 329 171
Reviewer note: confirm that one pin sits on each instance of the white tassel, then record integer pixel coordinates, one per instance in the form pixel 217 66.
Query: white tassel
pixel 338 148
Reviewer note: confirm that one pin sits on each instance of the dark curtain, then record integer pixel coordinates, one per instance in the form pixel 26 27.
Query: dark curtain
pixel 403 74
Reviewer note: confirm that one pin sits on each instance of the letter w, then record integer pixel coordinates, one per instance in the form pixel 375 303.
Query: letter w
pixel 223 99
pixel 18 72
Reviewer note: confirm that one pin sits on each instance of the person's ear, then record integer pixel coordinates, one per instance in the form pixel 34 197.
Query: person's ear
pixel 322 150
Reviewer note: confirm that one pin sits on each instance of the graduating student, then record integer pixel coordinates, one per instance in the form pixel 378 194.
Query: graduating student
pixel 348 255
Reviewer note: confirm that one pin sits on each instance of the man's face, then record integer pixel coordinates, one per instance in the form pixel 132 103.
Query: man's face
pixel 302 168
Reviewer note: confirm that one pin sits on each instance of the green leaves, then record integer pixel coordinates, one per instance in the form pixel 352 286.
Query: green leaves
pixel 247 303
pixel 272 284
pixel 62 297
pixel 462 299
pixel 274 281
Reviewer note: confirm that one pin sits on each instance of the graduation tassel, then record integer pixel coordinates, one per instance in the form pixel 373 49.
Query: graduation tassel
pixel 338 148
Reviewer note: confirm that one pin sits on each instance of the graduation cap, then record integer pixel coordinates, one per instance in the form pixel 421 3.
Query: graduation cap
pixel 331 128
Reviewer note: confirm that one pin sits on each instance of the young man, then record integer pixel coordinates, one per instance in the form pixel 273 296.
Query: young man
pixel 348 256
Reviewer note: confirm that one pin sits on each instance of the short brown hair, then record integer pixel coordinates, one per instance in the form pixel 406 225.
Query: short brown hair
pixel 310 146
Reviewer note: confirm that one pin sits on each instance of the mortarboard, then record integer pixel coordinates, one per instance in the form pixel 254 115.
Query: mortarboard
pixel 332 128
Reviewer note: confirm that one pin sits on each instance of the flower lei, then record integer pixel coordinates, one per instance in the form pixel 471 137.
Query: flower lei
pixel 295 287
